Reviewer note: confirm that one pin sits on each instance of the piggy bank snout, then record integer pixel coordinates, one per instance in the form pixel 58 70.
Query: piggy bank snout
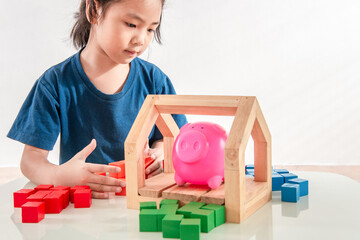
pixel 191 146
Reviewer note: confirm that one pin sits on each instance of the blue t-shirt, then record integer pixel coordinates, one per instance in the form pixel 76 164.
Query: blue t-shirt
pixel 64 100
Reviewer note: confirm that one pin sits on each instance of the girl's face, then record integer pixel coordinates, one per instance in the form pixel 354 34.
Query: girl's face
pixel 127 29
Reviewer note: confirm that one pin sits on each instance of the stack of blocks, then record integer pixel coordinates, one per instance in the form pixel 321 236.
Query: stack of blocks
pixel 291 187
pixel 44 199
pixel 185 223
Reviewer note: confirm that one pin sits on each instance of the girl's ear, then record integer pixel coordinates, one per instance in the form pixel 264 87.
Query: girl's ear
pixel 93 7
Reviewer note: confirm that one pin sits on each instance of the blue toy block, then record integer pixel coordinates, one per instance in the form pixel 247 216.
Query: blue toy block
pixel 288 176
pixel 303 185
pixel 290 192
pixel 250 172
pixel 249 166
pixel 277 181
pixel 281 171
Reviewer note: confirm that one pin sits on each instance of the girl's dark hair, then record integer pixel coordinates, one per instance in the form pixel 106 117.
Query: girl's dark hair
pixel 81 29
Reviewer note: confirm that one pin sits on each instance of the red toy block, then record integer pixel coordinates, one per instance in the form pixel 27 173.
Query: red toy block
pixel 74 188
pixel 82 198
pixel 65 190
pixel 33 212
pixel 101 173
pixel 21 195
pixel 148 161
pixel 123 191
pixel 38 196
pixel 54 202
pixel 121 165
pixel 44 187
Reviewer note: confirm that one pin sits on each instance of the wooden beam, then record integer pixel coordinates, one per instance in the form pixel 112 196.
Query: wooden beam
pixel 200 105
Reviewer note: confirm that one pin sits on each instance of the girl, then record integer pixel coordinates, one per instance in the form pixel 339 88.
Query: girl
pixel 94 94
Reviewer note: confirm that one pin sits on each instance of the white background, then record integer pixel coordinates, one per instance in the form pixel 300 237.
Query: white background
pixel 301 59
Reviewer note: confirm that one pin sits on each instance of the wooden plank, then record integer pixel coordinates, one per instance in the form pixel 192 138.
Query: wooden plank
pixel 200 105
pixel 188 192
pixel 216 196
pixel 168 148
pixel 156 185
pixel 169 129
pixel 239 133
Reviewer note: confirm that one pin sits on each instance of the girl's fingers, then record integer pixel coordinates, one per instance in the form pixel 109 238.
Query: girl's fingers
pixel 156 172
pixel 152 167
pixel 104 188
pixel 104 180
pixel 93 167
pixel 86 151
pixel 100 195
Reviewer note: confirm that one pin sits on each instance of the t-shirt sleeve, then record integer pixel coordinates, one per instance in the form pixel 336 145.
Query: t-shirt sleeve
pixel 180 119
pixel 38 122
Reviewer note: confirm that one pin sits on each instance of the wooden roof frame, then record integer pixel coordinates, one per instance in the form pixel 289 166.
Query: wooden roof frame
pixel 248 120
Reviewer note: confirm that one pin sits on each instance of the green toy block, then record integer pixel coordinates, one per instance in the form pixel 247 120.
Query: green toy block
pixel 219 211
pixel 148 205
pixel 171 226
pixel 189 208
pixel 190 229
pixel 207 218
pixel 148 220
pixel 168 201
pixel 195 204
pixel 164 210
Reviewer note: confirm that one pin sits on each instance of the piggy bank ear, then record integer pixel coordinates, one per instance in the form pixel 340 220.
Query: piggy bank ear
pixel 186 126
pixel 219 129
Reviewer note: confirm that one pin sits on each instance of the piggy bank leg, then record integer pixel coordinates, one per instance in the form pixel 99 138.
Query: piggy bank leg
pixel 215 182
pixel 179 181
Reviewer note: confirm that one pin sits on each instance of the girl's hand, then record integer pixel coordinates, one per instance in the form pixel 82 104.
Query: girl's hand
pixel 77 172
pixel 157 154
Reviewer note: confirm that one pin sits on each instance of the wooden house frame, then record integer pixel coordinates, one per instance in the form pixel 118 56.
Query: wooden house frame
pixel 242 196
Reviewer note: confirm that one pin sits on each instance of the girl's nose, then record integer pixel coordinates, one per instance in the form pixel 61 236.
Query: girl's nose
pixel 138 39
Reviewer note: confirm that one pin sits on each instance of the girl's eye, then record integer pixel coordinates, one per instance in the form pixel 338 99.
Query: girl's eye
pixel 131 25
pixel 151 30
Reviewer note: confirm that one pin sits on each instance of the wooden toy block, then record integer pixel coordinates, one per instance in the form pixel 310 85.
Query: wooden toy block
pixel 82 198
pixel 303 185
pixel 277 181
pixel 148 220
pixel 288 176
pixel 190 229
pixel 21 195
pixel 281 171
pixel 290 192
pixel 148 161
pixel 219 211
pixel 44 187
pixel 250 172
pixel 188 209
pixel 168 201
pixel 65 190
pixel 207 219
pixel 123 191
pixel 241 197
pixel 166 209
pixel 32 212
pixel 171 226
pixel 121 165
pixel 148 205
pixel 74 188
pixel 38 196
pixel 54 202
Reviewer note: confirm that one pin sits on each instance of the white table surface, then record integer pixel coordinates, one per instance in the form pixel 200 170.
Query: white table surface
pixel 331 211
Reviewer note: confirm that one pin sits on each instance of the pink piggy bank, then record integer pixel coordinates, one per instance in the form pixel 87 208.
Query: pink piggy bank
pixel 198 154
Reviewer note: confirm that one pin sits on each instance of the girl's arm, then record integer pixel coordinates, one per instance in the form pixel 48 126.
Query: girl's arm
pixel 35 166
